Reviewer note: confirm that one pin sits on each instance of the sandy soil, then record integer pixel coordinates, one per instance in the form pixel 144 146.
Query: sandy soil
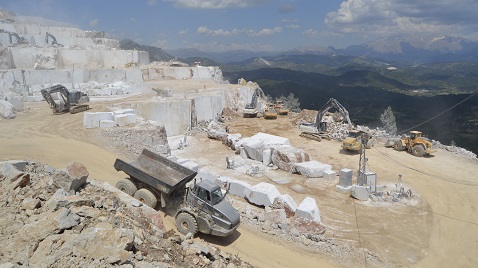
pixel 441 231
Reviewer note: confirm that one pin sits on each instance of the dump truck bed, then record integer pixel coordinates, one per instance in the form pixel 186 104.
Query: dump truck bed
pixel 156 171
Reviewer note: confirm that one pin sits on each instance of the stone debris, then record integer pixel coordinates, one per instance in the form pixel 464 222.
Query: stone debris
pixel 308 209
pixel 7 110
pixel 311 169
pixel 330 175
pixel 46 225
pixel 128 142
pixel 239 188
pixel 262 194
pixel 361 192
pixel 285 157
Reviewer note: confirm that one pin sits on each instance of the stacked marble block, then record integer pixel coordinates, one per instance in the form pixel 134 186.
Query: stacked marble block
pixel 122 117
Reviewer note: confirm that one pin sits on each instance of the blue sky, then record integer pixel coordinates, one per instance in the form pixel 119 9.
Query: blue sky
pixel 270 25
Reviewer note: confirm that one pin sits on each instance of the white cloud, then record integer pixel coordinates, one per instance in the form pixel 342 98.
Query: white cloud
pixel 292 26
pixel 221 32
pixel 94 22
pixel 151 2
pixel 183 32
pixel 218 4
pixel 392 17
pixel 310 32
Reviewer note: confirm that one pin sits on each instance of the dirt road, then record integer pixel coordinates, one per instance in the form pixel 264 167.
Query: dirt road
pixel 441 231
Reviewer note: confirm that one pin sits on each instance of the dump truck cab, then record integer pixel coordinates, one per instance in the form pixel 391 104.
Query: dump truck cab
pixel 214 215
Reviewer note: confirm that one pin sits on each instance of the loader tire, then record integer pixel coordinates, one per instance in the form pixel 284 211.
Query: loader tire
pixel 186 223
pixel 147 197
pixel 126 186
pixel 418 150
pixel 398 146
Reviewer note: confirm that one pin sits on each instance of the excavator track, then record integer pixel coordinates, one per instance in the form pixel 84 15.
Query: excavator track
pixel 312 136
pixel 79 108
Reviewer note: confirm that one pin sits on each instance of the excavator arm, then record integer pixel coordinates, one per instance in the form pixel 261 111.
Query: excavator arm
pixel 332 103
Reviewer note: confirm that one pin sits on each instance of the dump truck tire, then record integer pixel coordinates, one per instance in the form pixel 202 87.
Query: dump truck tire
pixel 398 145
pixel 147 197
pixel 126 186
pixel 186 223
pixel 418 150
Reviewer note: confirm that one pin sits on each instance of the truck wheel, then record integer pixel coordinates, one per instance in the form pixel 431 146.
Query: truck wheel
pixel 186 223
pixel 398 145
pixel 147 197
pixel 418 150
pixel 126 186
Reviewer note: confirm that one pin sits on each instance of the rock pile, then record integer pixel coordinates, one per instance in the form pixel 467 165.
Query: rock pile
pixel 55 218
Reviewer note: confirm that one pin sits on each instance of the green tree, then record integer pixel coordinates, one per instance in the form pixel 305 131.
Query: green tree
pixel 388 121
pixel 291 102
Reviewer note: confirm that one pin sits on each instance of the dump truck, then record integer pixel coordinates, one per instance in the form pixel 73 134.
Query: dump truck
pixel 156 179
pixel 353 142
pixel 415 144
pixel 68 101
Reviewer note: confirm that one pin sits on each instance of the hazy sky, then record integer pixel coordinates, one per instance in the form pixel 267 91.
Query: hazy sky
pixel 216 25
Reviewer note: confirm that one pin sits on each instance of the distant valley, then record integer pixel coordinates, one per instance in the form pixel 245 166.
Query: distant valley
pixel 418 77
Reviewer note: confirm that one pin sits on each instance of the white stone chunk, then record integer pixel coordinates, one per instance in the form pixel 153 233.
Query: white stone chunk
pixel 206 175
pixel 262 194
pixel 107 123
pixel 129 111
pixel 330 175
pixel 287 201
pixel 92 120
pixel 239 188
pixel 361 192
pixel 7 110
pixel 308 209
pixel 311 169
pixel 131 118
pixel 343 189
pixel 121 119
pixel 345 177
pixel 266 157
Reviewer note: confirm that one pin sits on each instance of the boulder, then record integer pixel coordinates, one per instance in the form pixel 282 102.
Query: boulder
pixel 7 110
pixel 308 209
pixel 284 157
pixel 311 169
pixel 239 188
pixel 329 174
pixel 215 131
pixel 361 192
pixel 72 178
pixel 286 202
pixel 262 194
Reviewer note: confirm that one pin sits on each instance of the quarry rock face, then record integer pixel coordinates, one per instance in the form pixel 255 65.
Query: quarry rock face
pixel 43 225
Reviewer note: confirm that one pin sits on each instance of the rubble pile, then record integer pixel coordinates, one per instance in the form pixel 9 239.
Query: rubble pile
pixel 280 223
pixel 454 149
pixel 59 218
pixel 130 141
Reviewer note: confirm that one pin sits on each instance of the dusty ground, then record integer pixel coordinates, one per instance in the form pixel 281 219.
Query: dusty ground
pixel 441 231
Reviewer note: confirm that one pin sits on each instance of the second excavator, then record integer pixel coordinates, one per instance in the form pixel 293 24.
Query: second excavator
pixel 317 130
pixel 68 101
